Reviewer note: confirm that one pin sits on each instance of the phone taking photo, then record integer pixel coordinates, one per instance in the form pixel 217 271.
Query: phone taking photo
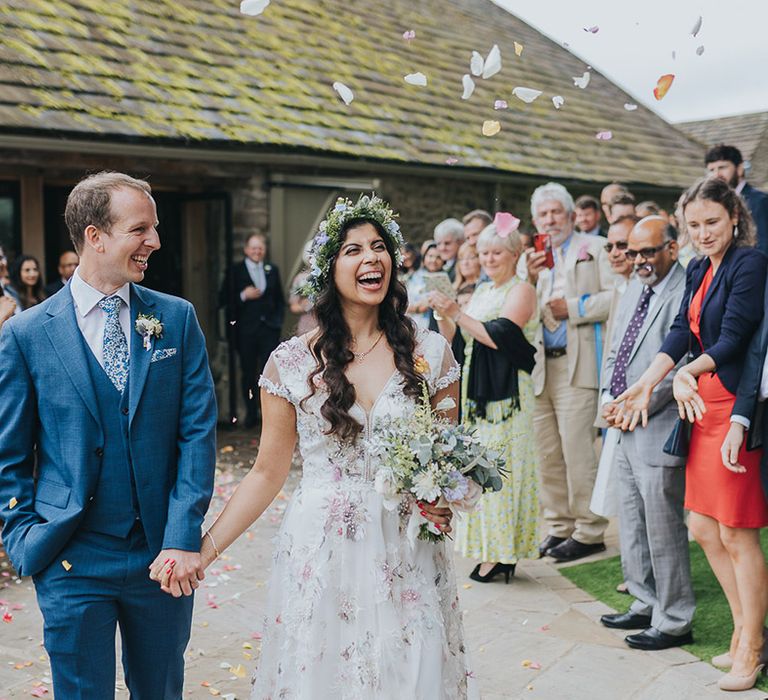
pixel 543 241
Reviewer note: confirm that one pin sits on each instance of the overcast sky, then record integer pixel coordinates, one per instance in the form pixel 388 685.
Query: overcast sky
pixel 635 41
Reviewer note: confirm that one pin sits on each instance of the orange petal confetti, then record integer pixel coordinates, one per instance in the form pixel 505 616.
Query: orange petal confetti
pixel 206 684
pixel 227 448
pixel 13 503
pixel 518 49
pixel 67 566
pixel 663 85
pixel 491 127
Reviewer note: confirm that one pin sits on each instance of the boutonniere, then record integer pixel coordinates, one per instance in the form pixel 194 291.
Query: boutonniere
pixel 421 365
pixel 267 268
pixel 584 253
pixel 148 327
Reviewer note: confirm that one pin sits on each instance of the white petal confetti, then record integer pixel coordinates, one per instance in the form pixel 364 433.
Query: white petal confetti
pixel 500 104
pixel 583 80
pixel 603 135
pixel 525 94
pixel 491 127
pixel 630 106
pixel 451 160
pixel 253 7
pixel 469 86
pixel 416 79
pixel 558 101
pixel 697 27
pixel 476 64
pixel 344 92
pixel 700 50
pixel 492 63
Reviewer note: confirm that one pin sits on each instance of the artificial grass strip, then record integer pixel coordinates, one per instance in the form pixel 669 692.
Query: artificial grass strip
pixel 712 624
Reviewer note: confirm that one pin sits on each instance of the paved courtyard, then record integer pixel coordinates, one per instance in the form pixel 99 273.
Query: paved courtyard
pixel 536 638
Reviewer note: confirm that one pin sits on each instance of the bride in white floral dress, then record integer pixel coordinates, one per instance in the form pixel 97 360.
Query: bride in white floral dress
pixel 355 610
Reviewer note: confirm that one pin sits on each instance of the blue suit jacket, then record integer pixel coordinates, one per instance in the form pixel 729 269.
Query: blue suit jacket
pixel 757 202
pixel 49 414
pixel 729 315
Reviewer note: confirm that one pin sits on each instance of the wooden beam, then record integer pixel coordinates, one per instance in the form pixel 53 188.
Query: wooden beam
pixel 32 217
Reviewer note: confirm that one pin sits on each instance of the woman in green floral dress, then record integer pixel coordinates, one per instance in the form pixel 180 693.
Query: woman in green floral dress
pixel 504 527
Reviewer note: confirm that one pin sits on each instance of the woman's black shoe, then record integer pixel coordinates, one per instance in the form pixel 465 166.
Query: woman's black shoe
pixel 506 569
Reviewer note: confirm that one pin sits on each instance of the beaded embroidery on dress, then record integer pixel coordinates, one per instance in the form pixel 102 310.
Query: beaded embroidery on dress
pixel 353 609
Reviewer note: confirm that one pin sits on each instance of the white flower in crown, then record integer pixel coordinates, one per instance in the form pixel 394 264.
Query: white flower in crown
pixel 148 327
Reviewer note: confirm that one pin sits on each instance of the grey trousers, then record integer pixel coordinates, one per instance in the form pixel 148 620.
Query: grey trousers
pixel 654 543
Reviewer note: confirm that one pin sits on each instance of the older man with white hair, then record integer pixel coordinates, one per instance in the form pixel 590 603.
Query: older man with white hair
pixel 449 235
pixel 574 287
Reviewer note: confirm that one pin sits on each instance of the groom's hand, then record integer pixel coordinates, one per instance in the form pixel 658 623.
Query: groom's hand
pixel 178 571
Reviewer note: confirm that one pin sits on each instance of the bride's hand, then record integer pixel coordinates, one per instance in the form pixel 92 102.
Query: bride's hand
pixel 439 516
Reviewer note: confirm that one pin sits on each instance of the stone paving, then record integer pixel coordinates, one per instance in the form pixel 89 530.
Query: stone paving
pixel 537 638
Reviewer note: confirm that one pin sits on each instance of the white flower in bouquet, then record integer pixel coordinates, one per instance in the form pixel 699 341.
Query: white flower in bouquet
pixel 425 486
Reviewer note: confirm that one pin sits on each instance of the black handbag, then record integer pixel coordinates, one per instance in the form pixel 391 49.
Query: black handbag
pixel 679 439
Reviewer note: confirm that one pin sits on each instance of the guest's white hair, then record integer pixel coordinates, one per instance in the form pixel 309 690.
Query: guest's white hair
pixel 452 228
pixel 489 236
pixel 552 190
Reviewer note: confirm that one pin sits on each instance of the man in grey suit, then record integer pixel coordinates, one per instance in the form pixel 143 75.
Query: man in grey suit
pixel 654 541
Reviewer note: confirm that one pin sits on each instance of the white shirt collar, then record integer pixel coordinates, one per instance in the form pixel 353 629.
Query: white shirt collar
pixel 658 288
pixel 740 186
pixel 253 265
pixel 86 297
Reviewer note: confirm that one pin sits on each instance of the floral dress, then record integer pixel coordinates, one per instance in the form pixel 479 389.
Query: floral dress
pixel 504 527
pixel 354 609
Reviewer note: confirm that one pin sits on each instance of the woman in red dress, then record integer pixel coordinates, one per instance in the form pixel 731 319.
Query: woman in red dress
pixel 721 310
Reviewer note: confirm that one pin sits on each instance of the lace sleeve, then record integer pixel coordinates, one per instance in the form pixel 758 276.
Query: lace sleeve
pixel 271 382
pixel 445 370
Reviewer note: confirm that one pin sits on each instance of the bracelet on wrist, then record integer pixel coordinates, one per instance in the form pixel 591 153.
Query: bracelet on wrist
pixel 213 543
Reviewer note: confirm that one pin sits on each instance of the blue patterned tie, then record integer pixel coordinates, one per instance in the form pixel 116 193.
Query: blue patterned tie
pixel 116 356
pixel 619 378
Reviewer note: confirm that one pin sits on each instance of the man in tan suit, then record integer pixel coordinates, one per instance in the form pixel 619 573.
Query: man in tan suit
pixel 574 301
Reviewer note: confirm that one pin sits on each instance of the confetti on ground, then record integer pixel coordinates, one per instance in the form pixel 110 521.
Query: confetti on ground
pixel 476 64
pixel 344 92
pixel 467 586
pixel 500 104
pixel 38 691
pixel 253 7
pixel 492 63
pixel 697 26
pixel 227 448
pixel 491 127
pixel 525 94
pixel 7 617
pixel 238 671
pixel 663 85
pixel 544 628
pixel 12 503
pixel 583 80
pixel 469 86
pixel 410 35
pixel 67 566
pixel 630 106
pixel 604 135
pixel 416 79
pixel 518 49
pixel 558 101
pixel 700 50
pixel 592 30
pixel 214 691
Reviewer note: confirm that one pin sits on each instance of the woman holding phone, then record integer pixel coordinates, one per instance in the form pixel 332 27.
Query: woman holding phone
pixel 499 324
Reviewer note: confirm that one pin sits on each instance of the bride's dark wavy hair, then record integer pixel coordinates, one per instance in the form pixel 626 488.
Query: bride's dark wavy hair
pixel 331 347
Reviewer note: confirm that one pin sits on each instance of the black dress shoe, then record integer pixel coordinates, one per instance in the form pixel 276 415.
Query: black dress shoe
pixel 654 640
pixel 626 621
pixel 571 549
pixel 548 543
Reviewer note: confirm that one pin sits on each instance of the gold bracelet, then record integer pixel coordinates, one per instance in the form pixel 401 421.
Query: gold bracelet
pixel 213 542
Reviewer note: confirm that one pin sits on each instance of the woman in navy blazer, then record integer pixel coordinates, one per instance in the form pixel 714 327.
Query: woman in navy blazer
pixel 720 312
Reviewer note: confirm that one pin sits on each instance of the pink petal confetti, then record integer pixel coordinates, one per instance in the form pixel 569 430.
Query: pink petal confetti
pixel 697 26
pixel 604 135
pixel 535 665
pixel 700 50
pixel 500 104
pixel 558 101
pixel 505 223
pixel 418 79
pixel 581 81
pixel 256 635
pixel 544 628
pixel 592 30
pixel 38 692
pixel 491 127
pixel 7 617
pixel 253 7
pixel 630 106
pixel 410 35
pixel 518 49
pixel 451 160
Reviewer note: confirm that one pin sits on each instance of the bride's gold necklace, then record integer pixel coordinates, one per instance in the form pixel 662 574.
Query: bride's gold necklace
pixel 360 356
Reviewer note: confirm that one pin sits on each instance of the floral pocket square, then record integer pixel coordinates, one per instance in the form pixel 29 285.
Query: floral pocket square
pixel 164 354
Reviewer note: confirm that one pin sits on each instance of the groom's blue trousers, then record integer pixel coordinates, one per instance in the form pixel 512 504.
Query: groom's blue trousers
pixel 107 585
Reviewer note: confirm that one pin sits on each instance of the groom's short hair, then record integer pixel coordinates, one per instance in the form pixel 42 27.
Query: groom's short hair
pixel 90 203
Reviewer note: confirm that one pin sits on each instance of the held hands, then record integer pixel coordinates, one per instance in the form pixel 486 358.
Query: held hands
pixel 729 452
pixel 635 400
pixel 445 306
pixel 686 391
pixel 177 571
pixel 441 517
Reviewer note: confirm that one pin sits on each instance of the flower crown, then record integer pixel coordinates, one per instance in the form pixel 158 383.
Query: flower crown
pixel 327 240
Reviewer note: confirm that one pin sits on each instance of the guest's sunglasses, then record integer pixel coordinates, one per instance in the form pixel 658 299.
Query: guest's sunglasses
pixel 645 253
pixel 621 245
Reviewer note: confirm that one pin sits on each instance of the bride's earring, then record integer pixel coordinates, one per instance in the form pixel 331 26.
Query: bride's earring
pixel 736 231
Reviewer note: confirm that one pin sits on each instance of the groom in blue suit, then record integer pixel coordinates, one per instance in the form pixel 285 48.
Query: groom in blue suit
pixel 107 452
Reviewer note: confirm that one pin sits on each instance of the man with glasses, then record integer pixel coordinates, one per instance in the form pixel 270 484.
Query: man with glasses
pixel 651 483
pixel 68 261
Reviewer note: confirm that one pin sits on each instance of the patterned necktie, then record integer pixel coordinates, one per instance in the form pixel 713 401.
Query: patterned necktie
pixel 116 358
pixel 619 379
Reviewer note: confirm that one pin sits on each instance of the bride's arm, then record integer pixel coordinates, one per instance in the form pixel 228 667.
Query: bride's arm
pixel 263 482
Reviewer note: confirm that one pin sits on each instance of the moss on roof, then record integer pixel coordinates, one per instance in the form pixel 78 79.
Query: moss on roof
pixel 201 71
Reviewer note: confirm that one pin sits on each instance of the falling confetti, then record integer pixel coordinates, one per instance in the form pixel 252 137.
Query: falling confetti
pixel 7 617
pixel 604 135
pixel 67 566
pixel 700 50
pixel 344 92
pixel 451 160
pixel 697 27
pixel 674 55
pixel 491 127
pixel 476 64
pixel 525 94
pixel 253 7
pixel 492 63
pixel 410 35
pixel 12 503
pixel 558 101
pixel 518 49
pixel 500 104
pixel 583 80
pixel 469 86
pixel 416 79
pixel 663 85
pixel 592 30
pixel 630 106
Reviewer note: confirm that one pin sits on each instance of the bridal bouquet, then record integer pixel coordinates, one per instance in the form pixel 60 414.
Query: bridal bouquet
pixel 427 458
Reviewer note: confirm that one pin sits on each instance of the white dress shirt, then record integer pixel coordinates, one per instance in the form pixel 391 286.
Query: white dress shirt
pixel 256 272
pixel 91 319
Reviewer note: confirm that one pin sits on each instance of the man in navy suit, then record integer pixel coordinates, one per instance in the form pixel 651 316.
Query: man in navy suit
pixel 253 295
pixel 107 453
pixel 727 163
